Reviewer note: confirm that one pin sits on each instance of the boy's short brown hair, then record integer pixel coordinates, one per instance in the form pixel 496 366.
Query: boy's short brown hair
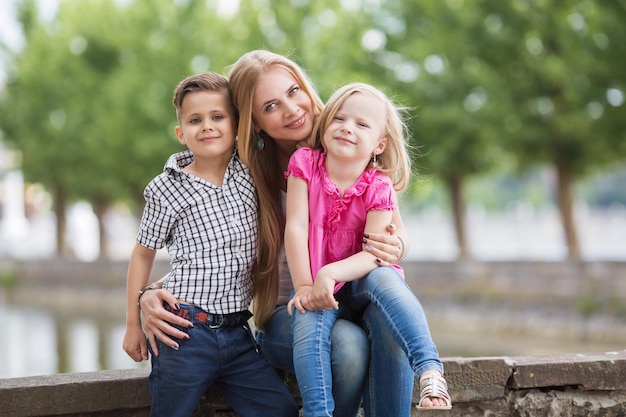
pixel 205 81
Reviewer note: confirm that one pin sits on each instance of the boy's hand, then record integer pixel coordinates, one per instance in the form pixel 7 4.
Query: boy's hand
pixel 135 345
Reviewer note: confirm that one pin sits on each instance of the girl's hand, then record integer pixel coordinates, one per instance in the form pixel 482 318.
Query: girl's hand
pixel 157 319
pixel 323 288
pixel 301 300
pixel 388 248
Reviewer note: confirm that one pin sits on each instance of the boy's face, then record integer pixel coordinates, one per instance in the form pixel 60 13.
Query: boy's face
pixel 206 124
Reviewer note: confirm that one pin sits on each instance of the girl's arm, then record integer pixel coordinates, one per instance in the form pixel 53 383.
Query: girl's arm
pixel 353 267
pixel 297 242
pixel 140 266
pixel 391 246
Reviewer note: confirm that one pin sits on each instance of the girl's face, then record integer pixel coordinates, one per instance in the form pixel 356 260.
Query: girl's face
pixel 281 108
pixel 355 133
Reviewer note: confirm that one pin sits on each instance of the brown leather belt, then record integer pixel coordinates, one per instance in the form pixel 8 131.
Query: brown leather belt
pixel 214 321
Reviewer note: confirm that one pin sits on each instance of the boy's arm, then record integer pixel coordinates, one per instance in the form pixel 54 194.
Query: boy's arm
pixel 297 241
pixel 353 267
pixel 139 269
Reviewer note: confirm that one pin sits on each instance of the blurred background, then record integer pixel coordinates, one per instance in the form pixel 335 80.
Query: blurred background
pixel 518 125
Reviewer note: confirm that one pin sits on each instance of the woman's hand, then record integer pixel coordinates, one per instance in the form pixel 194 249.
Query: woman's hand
pixel 388 248
pixel 157 319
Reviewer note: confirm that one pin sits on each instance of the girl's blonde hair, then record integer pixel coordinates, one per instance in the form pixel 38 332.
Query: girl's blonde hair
pixel 394 161
pixel 263 163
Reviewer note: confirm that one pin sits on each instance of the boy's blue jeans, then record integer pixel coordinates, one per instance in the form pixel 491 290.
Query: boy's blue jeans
pixel 400 311
pixel 226 357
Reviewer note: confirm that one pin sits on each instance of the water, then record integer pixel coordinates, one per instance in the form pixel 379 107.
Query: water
pixel 38 341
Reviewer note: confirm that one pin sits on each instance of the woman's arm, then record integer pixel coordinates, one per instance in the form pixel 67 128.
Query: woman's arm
pixel 297 242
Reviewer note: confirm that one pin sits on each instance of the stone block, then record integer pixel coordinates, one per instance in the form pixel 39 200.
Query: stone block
pixel 476 379
pixel 588 371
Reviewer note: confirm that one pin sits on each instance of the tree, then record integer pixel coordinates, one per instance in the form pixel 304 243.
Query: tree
pixel 563 64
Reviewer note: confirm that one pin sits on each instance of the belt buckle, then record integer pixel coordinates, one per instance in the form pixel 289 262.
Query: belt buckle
pixel 216 326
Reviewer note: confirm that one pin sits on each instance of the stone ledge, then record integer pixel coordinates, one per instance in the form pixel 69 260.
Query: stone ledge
pixel 589 371
pixel 87 394
pixel 591 384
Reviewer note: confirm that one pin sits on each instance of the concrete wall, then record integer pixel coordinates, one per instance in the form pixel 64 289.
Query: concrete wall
pixel 562 385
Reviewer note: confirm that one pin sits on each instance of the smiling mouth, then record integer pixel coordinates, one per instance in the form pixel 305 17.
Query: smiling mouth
pixel 298 122
pixel 343 139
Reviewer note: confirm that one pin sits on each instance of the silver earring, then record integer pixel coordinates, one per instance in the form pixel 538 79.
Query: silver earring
pixel 374 162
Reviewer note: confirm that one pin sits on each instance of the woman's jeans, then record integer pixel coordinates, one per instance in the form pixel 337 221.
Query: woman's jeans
pixel 400 311
pixel 226 357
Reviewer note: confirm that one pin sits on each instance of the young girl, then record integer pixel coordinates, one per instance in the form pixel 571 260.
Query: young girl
pixel 338 191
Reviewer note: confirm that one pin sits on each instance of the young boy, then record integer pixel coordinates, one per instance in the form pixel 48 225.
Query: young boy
pixel 203 207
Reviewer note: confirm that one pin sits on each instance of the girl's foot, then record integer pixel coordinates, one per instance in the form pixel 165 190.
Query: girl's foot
pixel 433 392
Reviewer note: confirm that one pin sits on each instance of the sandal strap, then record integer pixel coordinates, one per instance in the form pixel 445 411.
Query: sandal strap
pixel 435 386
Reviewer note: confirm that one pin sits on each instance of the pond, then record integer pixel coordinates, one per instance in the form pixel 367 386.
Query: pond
pixel 37 341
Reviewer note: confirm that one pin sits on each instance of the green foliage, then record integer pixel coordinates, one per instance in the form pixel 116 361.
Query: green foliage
pixel 490 85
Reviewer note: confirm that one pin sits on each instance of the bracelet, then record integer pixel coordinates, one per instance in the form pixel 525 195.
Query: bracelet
pixel 143 290
pixel 402 250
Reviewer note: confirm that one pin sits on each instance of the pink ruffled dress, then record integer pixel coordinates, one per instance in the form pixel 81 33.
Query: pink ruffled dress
pixel 337 223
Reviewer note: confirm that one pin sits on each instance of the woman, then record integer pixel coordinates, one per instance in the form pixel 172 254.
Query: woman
pixel 277 105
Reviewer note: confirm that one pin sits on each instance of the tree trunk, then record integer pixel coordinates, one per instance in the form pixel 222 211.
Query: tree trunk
pixel 455 187
pixel 99 208
pixel 566 209
pixel 60 204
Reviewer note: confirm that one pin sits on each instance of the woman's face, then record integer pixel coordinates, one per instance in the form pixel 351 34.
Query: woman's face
pixel 281 108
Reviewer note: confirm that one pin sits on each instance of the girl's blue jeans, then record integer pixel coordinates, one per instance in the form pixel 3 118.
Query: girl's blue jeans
pixel 365 359
pixel 400 311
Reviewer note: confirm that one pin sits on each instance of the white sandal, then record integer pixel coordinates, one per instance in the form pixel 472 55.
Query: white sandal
pixel 433 385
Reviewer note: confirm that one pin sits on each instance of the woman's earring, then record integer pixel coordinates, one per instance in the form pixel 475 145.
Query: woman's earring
pixel 374 162
pixel 260 144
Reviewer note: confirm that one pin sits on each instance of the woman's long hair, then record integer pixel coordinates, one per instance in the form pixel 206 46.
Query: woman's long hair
pixel 263 163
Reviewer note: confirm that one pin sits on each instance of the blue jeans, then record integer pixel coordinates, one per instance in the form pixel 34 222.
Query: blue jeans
pixel 349 357
pixel 389 382
pixel 400 311
pixel 226 357
pixel 403 314
pixel 388 386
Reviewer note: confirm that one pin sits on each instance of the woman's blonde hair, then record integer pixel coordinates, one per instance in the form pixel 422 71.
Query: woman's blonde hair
pixel 244 76
pixel 394 161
